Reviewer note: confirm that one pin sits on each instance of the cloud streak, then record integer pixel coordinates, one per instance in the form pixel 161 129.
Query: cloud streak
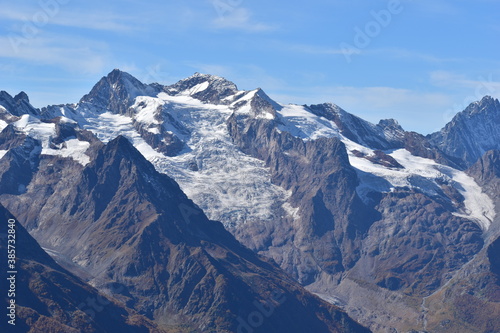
pixel 232 15
pixel 62 16
pixel 75 55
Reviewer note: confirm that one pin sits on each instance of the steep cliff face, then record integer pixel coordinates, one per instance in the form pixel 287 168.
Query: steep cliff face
pixel 416 244
pixel 323 197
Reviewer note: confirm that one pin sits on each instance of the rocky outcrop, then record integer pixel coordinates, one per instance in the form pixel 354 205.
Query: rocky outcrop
pixel 487 169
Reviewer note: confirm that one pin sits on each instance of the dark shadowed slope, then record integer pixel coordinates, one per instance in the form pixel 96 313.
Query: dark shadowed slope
pixel 50 299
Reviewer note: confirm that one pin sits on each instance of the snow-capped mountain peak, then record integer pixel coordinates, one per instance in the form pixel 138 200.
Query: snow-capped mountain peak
pixel 204 87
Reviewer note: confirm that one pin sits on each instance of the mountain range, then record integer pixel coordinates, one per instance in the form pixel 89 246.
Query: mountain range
pixel 201 207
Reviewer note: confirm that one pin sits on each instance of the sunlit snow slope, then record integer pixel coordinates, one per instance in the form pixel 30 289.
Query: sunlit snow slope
pixel 227 184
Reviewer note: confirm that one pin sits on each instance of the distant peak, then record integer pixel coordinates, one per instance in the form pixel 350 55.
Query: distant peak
pixel 487 98
pixel 326 109
pixel 22 96
pixel 117 75
pixel 18 105
pixel 116 92
pixel 213 80
pixel 205 87
pixel 486 104
pixel 390 124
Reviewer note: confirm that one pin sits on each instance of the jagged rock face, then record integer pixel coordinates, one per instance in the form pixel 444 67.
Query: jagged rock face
pixel 472 132
pixel 50 299
pixel 16 106
pixel 127 224
pixel 493 253
pixel 422 240
pixel 116 92
pixel 19 163
pixel 419 145
pixel 416 244
pixel 153 127
pixel 470 301
pixel 323 191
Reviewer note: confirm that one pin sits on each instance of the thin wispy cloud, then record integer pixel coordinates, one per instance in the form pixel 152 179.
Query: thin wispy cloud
pixel 401 53
pixel 75 55
pixel 454 80
pixel 101 21
pixel 240 18
pixel 36 16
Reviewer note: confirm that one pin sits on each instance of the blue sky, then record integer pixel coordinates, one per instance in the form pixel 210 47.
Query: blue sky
pixel 419 62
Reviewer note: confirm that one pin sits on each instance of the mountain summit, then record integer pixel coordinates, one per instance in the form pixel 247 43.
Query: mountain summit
pixel 204 87
pixel 117 91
